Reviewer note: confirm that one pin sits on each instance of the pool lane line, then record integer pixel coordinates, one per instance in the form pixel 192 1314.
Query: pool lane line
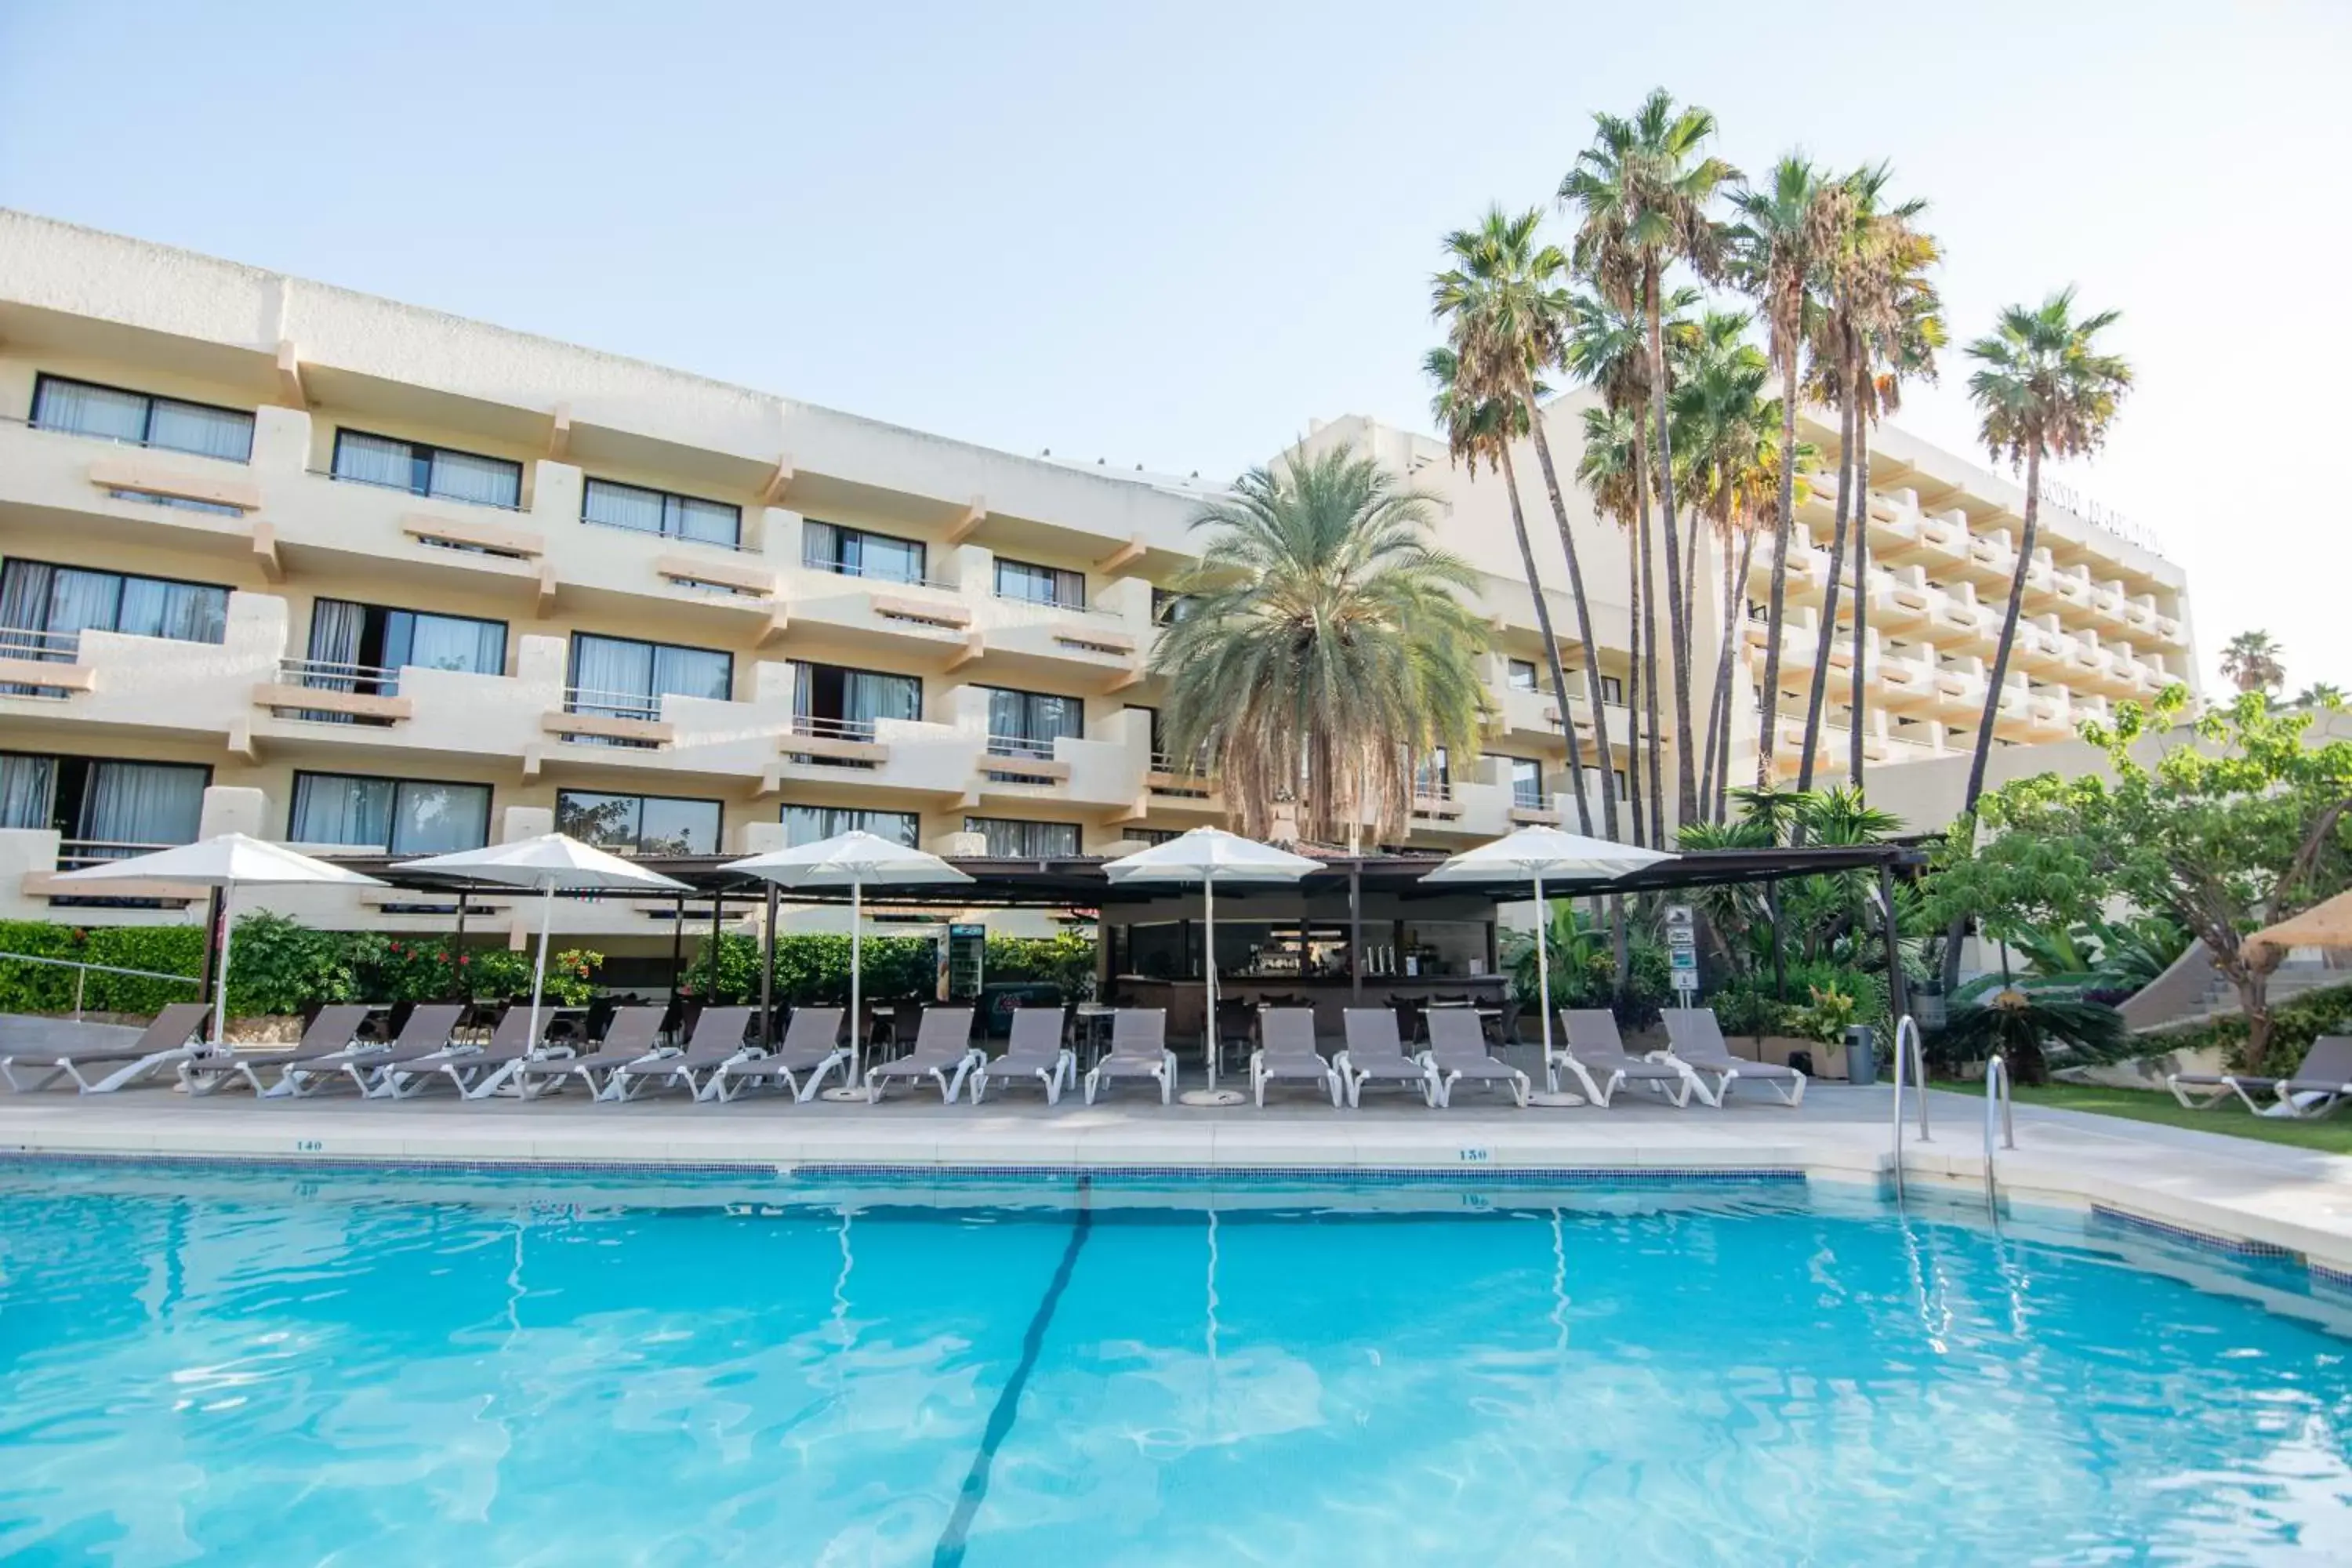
pixel 953 1538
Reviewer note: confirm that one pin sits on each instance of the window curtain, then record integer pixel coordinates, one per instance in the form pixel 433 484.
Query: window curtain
pixel 337 808
pixel 808 823
pixel 84 601
pixel 706 520
pixel 867 695
pixel 612 675
pixel 821 546
pixel 485 481
pixel 25 609
pixel 692 672
pixel 1070 589
pixel 890 560
pixel 27 790
pixel 183 611
pixel 444 642
pixel 437 818
pixel 623 506
pixel 372 460
pixel 89 410
pixel 337 627
pixel 1034 721
pixel 142 803
pixel 206 432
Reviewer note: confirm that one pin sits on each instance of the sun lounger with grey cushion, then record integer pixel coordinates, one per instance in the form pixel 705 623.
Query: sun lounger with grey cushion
pixel 2326 1070
pixel 1596 1058
pixel 1138 1049
pixel 429 1029
pixel 1457 1050
pixel 334 1031
pixel 1286 1053
pixel 1034 1051
pixel 809 1049
pixel 1375 1054
pixel 476 1071
pixel 55 1049
pixel 943 1053
pixel 1697 1042
pixel 633 1035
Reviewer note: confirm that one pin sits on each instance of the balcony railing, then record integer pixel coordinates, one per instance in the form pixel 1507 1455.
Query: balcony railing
pixel 885 577
pixel 1020 746
pixel 54 648
pixel 329 675
pixel 75 853
pixel 819 727
pixel 134 441
pixel 613 704
pixel 398 488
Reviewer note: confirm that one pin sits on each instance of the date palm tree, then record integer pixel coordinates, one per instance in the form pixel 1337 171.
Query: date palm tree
pixel 2251 662
pixel 1331 643
pixel 1505 303
pixel 1642 193
pixel 1785 228
pixel 1613 469
pixel 1482 429
pixel 2321 694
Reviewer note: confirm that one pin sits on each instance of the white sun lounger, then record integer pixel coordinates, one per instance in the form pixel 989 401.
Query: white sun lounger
pixel 1286 1053
pixel 2324 1073
pixel 1375 1054
pixel 810 1049
pixel 1138 1049
pixel 943 1053
pixel 1034 1051
pixel 1595 1057
pixel 631 1038
pixel 1457 1050
pixel 1698 1044
pixel 62 1050
pixel 333 1032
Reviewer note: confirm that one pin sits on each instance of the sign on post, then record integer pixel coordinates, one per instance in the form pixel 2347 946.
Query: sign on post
pixel 1682 949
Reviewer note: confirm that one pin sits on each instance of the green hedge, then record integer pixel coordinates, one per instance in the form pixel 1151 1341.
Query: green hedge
pixel 816 968
pixel 2293 1025
pixel 46 989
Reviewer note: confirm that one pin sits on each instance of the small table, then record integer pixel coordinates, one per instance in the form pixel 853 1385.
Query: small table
pixel 1094 1030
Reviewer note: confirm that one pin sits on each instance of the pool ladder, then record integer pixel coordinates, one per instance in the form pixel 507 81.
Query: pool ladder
pixel 1907 1043
pixel 2000 1108
pixel 2001 1105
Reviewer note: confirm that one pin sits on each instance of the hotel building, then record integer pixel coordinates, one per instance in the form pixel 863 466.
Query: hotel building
pixel 356 575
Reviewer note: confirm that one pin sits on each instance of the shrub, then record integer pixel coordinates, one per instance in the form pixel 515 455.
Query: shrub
pixel 814 968
pixel 50 988
pixel 2293 1025
pixel 276 965
pixel 1066 960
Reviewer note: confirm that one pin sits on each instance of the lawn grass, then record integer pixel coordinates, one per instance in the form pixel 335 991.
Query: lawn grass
pixel 2333 1136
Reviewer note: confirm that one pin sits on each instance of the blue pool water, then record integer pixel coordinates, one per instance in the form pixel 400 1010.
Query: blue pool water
pixel 272 1368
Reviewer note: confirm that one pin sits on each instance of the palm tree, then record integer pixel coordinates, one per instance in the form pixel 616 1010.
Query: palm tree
pixel 2251 662
pixel 1483 429
pixel 2320 694
pixel 1785 227
pixel 1614 469
pixel 1328 647
pixel 1506 300
pixel 1607 349
pixel 1642 190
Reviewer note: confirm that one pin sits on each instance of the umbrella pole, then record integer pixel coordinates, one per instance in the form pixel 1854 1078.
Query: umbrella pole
pixel 857 952
pixel 1209 966
pixel 220 985
pixel 1543 986
pixel 539 971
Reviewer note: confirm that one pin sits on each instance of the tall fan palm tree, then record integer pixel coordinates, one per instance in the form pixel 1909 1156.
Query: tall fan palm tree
pixel 1506 305
pixel 1329 645
pixel 1643 191
pixel 1483 429
pixel 1874 258
pixel 1785 227
pixel 1613 469
pixel 2251 662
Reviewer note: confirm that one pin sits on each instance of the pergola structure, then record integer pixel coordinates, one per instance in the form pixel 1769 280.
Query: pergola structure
pixel 1077 883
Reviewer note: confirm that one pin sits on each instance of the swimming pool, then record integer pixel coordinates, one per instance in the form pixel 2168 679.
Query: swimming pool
pixel 273 1367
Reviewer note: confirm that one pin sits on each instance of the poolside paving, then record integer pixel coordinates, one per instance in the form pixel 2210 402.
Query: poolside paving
pixel 2295 1199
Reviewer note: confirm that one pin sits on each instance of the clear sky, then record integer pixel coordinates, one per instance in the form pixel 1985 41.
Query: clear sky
pixel 1171 234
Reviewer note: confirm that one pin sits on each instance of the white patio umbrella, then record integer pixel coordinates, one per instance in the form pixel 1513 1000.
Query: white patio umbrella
pixel 1210 856
pixel 552 864
pixel 1530 855
pixel 225 861
pixel 856 860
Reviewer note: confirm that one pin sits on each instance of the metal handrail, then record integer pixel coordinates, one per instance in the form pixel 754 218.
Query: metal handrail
pixel 1997 1093
pixel 818 727
pixel 81 972
pixel 32 642
pixel 1908 1028
pixel 312 672
pixel 844 569
pixel 144 446
pixel 395 484
pixel 613 704
pixel 1020 746
pixel 77 850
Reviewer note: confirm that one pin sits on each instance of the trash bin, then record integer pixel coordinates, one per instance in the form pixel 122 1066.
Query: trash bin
pixel 1861 1054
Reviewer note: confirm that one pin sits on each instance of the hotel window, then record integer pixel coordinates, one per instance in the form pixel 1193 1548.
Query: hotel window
pixel 1040 584
pixel 363 647
pixel 425 470
pixel 1151 835
pixel 627 678
pixel 1519 675
pixel 1612 691
pixel 1623 789
pixel 1527 783
pixel 832 701
pixel 853 553
pixel 403 816
pixel 104 810
pixel 639 824
pixel 1027 723
pixel 809 824
pixel 1011 839
pixel 1168 606
pixel 657 511
pixel 44 609
pixel 111 413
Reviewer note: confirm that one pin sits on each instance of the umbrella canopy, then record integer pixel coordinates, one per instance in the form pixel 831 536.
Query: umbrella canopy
pixel 2327 925
pixel 552 863
pixel 856 860
pixel 1210 856
pixel 1530 855
pixel 225 861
